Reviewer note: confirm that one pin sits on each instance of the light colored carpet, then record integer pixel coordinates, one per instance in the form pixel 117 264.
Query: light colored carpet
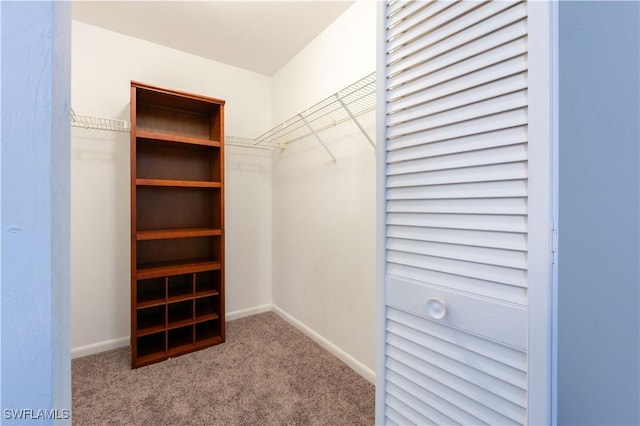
pixel 266 373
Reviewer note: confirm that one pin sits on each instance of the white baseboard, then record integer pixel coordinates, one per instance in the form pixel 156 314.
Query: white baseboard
pixel 230 316
pixel 96 348
pixel 121 342
pixel 355 365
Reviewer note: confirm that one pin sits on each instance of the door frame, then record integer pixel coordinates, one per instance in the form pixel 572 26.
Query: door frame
pixel 542 201
pixel 542 223
pixel 381 211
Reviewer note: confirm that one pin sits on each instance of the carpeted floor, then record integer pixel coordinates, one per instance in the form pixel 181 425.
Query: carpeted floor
pixel 267 373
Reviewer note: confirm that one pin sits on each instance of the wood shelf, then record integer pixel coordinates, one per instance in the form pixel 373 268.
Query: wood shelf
pixel 150 358
pixel 178 183
pixel 206 317
pixel 162 269
pixel 150 303
pixel 181 349
pixel 180 323
pixel 150 330
pixel 205 293
pixel 177 139
pixel 180 298
pixel 162 234
pixel 209 341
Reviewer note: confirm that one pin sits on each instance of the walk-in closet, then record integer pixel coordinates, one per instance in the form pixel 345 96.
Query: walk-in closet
pixel 293 134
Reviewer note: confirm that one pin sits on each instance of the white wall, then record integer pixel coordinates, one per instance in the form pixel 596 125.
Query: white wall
pixel 103 64
pixel 342 54
pixel 324 214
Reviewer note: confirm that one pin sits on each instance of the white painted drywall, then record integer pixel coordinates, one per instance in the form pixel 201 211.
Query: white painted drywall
pixel 342 54
pixel 103 64
pixel 324 214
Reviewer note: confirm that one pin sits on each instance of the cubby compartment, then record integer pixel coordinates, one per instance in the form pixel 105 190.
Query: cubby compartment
pixel 151 319
pixel 180 313
pixel 207 308
pixel 151 345
pixel 179 287
pixel 180 338
pixel 207 283
pixel 208 332
pixel 178 115
pixel 150 292
pixel 165 160
pixel 169 207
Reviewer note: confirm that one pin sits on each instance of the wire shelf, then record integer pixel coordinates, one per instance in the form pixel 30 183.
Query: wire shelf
pixel 344 105
pixel 246 143
pixel 97 123
pixel 358 98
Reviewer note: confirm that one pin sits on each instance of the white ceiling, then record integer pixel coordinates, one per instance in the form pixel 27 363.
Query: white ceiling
pixel 260 36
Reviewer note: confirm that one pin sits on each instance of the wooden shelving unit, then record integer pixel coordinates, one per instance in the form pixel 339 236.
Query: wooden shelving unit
pixel 177 223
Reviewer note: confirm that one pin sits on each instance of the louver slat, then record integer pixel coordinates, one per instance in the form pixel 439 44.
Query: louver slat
pixel 473 398
pixel 506 189
pixel 453 163
pixel 395 418
pixel 441 14
pixel 429 398
pixel 496 274
pixel 400 10
pixel 511 36
pixel 413 409
pixel 438 378
pixel 489 139
pixel 428 10
pixel 474 127
pixel 400 348
pixel 498 206
pixel 499 62
pixel 441 41
pixel 490 173
pixel 500 240
pixel 500 361
pixel 423 107
pixel 487 256
pixel 479 109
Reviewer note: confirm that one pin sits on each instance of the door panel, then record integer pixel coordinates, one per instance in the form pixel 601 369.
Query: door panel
pixel 456 189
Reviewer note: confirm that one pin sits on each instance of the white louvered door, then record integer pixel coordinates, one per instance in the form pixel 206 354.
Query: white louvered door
pixel 456 213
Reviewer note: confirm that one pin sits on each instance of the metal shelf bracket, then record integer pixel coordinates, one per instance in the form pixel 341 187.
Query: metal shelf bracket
pixel 317 137
pixel 345 105
pixel 355 120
